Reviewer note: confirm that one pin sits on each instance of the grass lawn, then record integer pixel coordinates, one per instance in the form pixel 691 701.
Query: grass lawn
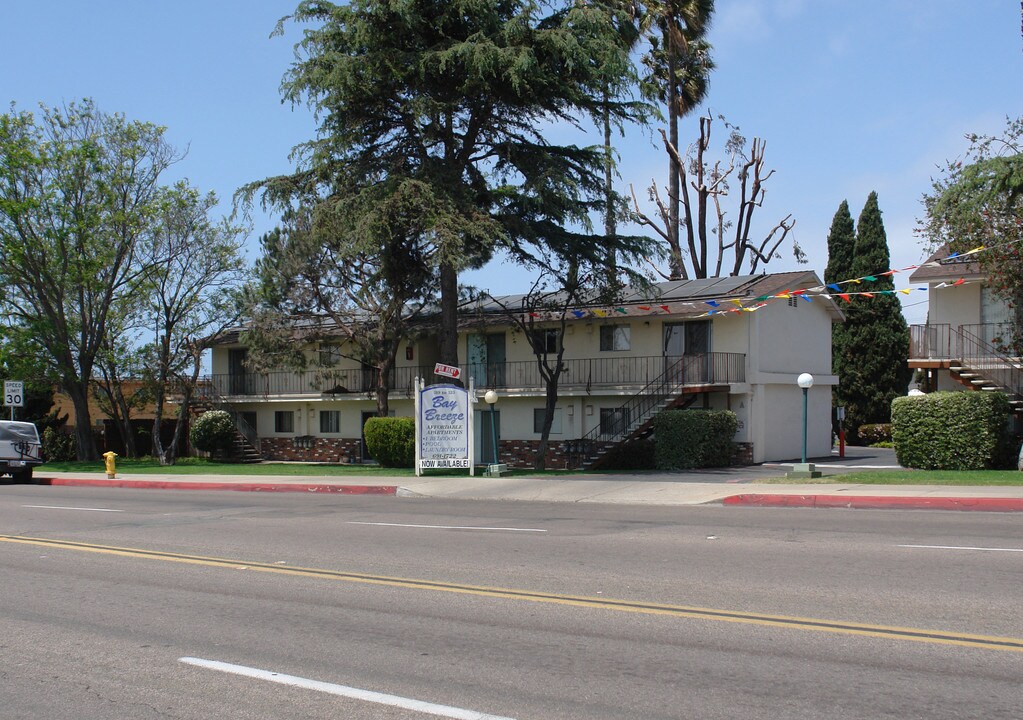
pixel 202 466
pixel 918 477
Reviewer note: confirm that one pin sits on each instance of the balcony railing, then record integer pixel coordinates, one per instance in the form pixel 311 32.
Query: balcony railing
pixel 945 342
pixel 587 373
pixel 933 342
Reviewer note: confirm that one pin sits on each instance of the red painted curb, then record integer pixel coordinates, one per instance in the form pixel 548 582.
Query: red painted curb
pixel 244 487
pixel 878 502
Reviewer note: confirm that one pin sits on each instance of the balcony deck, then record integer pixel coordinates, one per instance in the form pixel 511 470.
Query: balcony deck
pixel 612 374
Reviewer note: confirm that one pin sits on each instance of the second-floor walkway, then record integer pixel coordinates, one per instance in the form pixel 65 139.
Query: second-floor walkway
pixel 587 374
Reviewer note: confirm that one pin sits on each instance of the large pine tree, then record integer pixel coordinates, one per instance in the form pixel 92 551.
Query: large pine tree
pixel 873 356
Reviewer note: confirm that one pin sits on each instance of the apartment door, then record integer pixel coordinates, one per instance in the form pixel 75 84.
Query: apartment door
pixel 236 372
pixel 686 348
pixel 487 357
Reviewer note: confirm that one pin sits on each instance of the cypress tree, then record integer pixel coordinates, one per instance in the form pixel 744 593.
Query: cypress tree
pixel 876 345
pixel 841 244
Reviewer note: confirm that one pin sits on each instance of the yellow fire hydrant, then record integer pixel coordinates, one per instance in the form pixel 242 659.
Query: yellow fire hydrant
pixel 111 463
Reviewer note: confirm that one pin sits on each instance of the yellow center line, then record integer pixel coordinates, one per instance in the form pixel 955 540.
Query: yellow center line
pixel 939 637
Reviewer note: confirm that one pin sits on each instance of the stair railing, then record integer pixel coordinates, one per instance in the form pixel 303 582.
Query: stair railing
pixel 207 392
pixel 986 360
pixel 693 369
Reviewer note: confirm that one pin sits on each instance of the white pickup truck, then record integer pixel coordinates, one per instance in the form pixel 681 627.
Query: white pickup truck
pixel 20 449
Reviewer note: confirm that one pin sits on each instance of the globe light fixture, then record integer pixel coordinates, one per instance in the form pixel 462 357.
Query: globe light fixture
pixel 804 469
pixel 491 399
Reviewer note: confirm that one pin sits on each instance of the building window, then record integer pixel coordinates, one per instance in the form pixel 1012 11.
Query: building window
pixel 615 338
pixel 330 421
pixel 330 354
pixel 614 421
pixel 284 421
pixel 545 342
pixel 538 415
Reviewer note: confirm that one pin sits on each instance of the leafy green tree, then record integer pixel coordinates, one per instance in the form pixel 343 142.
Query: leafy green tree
pixel 978 201
pixel 76 193
pixel 841 246
pixel 22 358
pixel 193 279
pixel 874 355
pixel 340 271
pixel 457 97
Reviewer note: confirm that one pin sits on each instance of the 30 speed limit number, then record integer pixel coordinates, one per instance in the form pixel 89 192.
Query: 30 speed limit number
pixel 14 393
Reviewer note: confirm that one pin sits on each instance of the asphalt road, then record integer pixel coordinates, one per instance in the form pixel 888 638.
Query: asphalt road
pixel 152 604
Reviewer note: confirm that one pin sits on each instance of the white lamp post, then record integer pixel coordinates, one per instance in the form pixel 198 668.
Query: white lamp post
pixel 804 469
pixel 491 398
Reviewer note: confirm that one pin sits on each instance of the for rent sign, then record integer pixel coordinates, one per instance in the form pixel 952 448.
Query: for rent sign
pixel 443 428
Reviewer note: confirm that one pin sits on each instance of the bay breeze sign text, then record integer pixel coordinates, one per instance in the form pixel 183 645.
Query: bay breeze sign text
pixel 444 426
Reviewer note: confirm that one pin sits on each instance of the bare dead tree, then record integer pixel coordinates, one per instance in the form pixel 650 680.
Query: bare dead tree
pixel 711 235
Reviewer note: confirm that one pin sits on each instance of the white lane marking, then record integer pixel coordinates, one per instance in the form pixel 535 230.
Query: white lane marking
pixel 446 527
pixel 344 691
pixel 61 507
pixel 957 547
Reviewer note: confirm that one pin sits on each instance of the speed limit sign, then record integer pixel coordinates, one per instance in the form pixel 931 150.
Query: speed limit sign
pixel 14 393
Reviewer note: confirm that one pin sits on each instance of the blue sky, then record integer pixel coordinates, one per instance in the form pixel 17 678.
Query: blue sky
pixel 851 96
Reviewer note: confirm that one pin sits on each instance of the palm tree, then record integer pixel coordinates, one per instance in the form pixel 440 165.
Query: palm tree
pixel 678 74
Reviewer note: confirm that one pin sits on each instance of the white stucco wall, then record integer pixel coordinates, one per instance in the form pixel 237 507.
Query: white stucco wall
pixel 789 339
pixel 954 305
pixel 777 430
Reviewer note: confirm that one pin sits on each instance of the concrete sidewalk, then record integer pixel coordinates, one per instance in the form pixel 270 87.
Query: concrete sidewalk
pixel 732 486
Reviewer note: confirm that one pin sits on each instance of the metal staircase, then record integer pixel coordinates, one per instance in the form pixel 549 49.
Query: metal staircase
pixel 245 445
pixel 677 388
pixel 983 367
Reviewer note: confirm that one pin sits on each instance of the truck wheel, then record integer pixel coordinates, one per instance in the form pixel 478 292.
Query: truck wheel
pixel 23 475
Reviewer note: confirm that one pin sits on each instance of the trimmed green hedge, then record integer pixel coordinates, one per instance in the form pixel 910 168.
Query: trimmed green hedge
pixel 392 441
pixel 952 431
pixel 213 432
pixel 874 433
pixel 694 439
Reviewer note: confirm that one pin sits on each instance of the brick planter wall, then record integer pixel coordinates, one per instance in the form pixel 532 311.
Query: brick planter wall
pixel 514 453
pixel 330 450
pixel 744 453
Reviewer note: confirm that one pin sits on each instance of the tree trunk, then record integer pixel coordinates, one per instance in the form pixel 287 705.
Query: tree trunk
pixel 676 265
pixel 540 462
pixel 383 383
pixel 610 218
pixel 170 455
pixel 448 314
pixel 84 439
pixel 123 417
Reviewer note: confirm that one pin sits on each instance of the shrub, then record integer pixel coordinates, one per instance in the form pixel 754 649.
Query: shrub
pixel 694 439
pixel 213 432
pixel 392 440
pixel 634 455
pixel 952 431
pixel 58 445
pixel 875 433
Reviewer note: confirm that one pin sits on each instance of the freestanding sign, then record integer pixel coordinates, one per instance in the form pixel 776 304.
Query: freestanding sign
pixel 14 394
pixel 444 426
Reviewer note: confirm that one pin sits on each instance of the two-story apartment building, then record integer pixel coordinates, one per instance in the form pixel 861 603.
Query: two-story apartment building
pixel 963 344
pixel 735 343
